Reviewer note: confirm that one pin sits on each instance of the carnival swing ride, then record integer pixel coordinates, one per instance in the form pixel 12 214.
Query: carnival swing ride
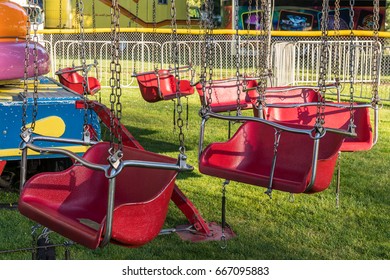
pixel 116 191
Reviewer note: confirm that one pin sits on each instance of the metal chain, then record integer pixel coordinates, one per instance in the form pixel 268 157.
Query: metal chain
pixel 179 105
pixel 83 61
pixel 376 55
pixel 210 49
pixel 154 48
pixel 247 43
pixel 115 80
pixel 267 34
pixel 36 69
pixel 351 64
pixel 320 119
pixel 60 28
pixel 188 25
pixel 237 59
pixel 26 65
pixel 336 52
pixel 136 26
pixel 204 59
pixel 262 36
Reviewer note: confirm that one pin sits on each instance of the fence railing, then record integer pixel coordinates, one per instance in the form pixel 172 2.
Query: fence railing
pixel 294 60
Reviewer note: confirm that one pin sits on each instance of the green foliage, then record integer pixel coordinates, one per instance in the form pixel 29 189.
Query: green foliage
pixel 310 227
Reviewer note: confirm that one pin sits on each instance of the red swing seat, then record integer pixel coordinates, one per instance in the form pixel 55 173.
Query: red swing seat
pixel 161 86
pixel 334 118
pixel 74 81
pixel 247 157
pixel 73 202
pixel 224 95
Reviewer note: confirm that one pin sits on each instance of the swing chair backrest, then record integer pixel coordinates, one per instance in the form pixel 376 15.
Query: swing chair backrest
pixel 281 95
pixel 224 95
pixel 247 157
pixel 74 81
pixel 74 202
pixel 334 118
pixel 161 86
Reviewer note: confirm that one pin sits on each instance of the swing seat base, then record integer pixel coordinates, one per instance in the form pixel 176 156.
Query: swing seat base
pixel 196 236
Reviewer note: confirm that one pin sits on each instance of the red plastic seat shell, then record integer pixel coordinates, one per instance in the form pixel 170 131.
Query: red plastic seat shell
pixel 224 95
pixel 334 118
pixel 68 201
pixel 247 158
pixel 149 87
pixel 74 81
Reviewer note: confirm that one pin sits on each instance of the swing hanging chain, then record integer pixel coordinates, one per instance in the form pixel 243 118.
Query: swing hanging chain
pixel 237 60
pixel 86 133
pixel 324 56
pixel 211 50
pixel 352 53
pixel 60 28
pixel 116 90
pixel 26 64
pixel 179 105
pixel 154 39
pixel 264 56
pixel 376 55
pixel 36 69
pixel 336 51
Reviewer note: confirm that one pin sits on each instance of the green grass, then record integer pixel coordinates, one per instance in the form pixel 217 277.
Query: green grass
pixel 310 227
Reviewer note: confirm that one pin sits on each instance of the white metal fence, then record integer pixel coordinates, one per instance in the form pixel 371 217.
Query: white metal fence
pixel 295 61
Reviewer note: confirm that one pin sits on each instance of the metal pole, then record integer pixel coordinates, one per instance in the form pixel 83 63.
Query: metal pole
pixel 23 169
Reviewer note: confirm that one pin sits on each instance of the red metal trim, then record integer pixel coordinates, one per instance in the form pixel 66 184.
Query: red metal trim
pixel 2 165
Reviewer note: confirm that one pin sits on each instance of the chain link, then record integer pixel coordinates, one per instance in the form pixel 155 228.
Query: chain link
pixel 115 80
pixel 60 54
pixel 352 54
pixel 376 55
pixel 320 119
pixel 336 50
pixel 179 105
pixel 209 57
pixel 83 61
pixel 237 59
pixel 154 47
pixel 34 24
pixel 26 65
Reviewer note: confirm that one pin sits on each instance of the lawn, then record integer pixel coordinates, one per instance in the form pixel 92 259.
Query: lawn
pixel 302 227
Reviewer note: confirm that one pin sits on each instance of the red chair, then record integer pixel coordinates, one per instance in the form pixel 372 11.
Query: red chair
pixel 73 202
pixel 247 157
pixel 161 85
pixel 224 95
pixel 74 81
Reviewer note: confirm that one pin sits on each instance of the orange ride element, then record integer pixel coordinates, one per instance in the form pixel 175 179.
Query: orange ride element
pixel 13 20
